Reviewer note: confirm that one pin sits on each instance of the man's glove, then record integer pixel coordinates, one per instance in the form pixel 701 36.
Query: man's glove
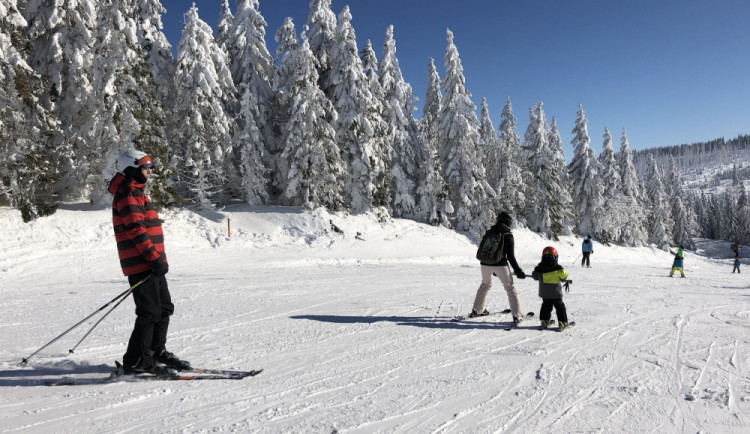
pixel 520 274
pixel 159 267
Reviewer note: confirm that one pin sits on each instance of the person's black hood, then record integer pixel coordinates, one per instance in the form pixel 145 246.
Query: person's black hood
pixel 504 219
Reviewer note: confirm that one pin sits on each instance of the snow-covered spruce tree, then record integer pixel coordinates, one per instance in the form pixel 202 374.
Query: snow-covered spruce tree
pixel 681 210
pixel 156 48
pixel 403 133
pixel 584 172
pixel 614 209
pixel 201 120
pixel 433 206
pixel 534 160
pixel 548 204
pixel 681 235
pixel 127 111
pixel 489 145
pixel 314 178
pixel 157 53
pixel 633 233
pixel 61 38
pixel 510 191
pixel 562 216
pixel 321 22
pixel 360 131
pixel 28 132
pixel 458 142
pixel 659 216
pixel 370 65
pixel 256 149
pixel 224 25
pixel 743 211
pixel 731 221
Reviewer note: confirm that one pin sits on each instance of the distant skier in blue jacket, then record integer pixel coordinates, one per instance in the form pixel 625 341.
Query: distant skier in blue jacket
pixel 677 265
pixel 588 249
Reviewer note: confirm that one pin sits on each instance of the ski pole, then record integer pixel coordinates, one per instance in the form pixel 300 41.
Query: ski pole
pixel 123 295
pixel 70 351
pixel 576 259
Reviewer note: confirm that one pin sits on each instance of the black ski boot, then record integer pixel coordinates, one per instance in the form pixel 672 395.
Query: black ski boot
pixel 475 314
pixel 170 360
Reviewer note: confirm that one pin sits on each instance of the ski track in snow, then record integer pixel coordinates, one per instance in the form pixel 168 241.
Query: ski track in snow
pixel 355 340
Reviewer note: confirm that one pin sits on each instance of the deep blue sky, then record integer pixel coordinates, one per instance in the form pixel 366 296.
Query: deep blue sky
pixel 668 71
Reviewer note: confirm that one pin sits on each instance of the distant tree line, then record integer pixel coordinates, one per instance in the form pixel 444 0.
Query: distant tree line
pixel 716 174
pixel 320 123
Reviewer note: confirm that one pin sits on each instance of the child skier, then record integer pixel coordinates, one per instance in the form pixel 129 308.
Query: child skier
pixel 549 274
pixel 677 265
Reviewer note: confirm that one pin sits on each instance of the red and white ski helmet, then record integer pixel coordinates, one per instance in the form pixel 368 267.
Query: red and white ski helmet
pixel 132 158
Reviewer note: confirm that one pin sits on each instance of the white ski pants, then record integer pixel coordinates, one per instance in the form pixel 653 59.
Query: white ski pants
pixel 503 273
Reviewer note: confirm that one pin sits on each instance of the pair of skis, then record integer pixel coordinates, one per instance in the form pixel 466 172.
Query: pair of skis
pixel 187 374
pixel 559 329
pixel 513 325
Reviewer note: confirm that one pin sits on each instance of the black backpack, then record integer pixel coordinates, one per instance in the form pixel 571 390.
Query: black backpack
pixel 491 248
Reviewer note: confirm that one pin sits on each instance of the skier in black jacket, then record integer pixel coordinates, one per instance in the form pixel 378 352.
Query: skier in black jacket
pixel 502 271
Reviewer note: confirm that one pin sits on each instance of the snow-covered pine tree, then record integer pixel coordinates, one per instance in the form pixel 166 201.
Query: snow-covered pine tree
pixel 157 54
pixel 201 119
pixel 360 131
pixel 403 133
pixel 321 22
pixel 28 131
pixel 731 222
pixel 681 235
pixel 156 48
pixel 256 149
pixel 489 145
pixel 434 207
pixel 370 65
pixel 61 38
pixel 458 141
pixel 510 191
pixel 681 210
pixel 743 211
pixel 127 112
pixel 224 25
pixel 614 209
pixel 659 218
pixel 534 157
pixel 548 204
pixel 634 232
pixel 584 172
pixel 314 178
pixel 562 215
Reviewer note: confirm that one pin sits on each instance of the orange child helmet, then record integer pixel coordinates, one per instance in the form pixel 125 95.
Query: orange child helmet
pixel 549 250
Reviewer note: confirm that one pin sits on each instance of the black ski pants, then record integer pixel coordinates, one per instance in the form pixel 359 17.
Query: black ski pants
pixel 586 260
pixel 153 307
pixel 557 303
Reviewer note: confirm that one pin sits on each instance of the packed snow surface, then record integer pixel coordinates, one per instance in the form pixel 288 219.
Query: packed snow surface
pixel 350 318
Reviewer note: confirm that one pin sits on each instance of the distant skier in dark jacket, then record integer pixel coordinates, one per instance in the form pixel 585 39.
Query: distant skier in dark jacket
pixel 502 271
pixel 550 275
pixel 587 248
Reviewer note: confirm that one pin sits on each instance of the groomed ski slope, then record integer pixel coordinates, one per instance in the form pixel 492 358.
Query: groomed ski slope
pixel 353 330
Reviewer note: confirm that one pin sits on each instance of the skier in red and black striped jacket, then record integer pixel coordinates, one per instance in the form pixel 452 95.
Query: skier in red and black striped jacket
pixel 140 245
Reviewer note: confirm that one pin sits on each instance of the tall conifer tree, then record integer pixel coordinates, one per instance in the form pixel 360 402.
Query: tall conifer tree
pixel 458 143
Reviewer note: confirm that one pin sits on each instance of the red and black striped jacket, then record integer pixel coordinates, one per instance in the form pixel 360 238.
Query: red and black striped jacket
pixel 137 226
